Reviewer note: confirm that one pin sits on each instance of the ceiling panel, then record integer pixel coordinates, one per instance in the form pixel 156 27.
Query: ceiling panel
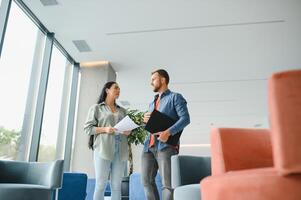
pixel 219 53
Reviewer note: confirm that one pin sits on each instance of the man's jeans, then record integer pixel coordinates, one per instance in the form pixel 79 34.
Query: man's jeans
pixel 151 161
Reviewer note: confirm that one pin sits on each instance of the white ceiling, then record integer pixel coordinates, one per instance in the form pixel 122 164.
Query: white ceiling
pixel 219 53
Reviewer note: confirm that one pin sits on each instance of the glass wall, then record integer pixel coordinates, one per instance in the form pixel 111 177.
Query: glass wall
pixel 24 109
pixel 52 109
pixel 15 67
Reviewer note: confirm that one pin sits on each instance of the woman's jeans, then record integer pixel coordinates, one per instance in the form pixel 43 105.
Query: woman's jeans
pixel 102 171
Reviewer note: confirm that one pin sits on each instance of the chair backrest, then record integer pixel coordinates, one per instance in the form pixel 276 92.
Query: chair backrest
pixel 238 149
pixel 13 171
pixel 47 174
pixel 182 172
pixel 91 188
pixel 73 187
pixel 285 120
pixel 136 189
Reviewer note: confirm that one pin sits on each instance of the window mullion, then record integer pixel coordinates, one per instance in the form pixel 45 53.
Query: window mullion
pixel 37 126
pixel 4 13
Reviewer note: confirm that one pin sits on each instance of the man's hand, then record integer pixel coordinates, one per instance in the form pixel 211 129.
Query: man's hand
pixel 164 135
pixel 146 117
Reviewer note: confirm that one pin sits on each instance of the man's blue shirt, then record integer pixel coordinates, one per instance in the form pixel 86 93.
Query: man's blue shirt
pixel 175 106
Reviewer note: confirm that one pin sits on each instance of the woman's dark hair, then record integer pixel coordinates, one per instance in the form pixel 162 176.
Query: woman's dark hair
pixel 102 97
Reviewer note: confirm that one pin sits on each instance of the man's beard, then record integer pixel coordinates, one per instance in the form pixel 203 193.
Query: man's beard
pixel 156 89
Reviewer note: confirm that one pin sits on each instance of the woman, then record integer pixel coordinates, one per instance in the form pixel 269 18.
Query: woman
pixel 110 148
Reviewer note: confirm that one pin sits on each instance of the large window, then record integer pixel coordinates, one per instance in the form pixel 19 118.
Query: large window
pixel 52 130
pixel 33 97
pixel 15 67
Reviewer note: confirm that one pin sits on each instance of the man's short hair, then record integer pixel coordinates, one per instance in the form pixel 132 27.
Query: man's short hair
pixel 163 73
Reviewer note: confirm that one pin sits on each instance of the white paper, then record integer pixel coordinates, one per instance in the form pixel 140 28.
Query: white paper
pixel 126 124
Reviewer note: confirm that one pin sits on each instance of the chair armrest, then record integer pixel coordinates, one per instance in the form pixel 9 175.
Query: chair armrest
pixel 189 169
pixel 48 174
pixel 238 149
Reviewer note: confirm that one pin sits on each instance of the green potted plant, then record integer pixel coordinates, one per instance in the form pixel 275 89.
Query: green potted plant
pixel 137 135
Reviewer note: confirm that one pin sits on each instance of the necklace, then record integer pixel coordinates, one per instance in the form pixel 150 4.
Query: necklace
pixel 112 108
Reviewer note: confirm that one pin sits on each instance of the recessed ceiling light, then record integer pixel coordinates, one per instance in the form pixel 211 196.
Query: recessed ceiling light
pixel 49 2
pixel 81 45
pixel 100 63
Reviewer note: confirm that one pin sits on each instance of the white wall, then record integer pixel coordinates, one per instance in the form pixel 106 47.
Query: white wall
pixel 221 71
pixel 91 82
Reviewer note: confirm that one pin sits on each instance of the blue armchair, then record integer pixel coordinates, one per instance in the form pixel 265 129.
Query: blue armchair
pixel 29 180
pixel 73 187
pixel 137 190
pixel 186 174
pixel 91 187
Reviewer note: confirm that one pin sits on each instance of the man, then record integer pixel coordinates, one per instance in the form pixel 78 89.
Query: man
pixel 157 153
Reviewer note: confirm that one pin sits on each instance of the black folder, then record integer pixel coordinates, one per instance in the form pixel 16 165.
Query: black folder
pixel 160 122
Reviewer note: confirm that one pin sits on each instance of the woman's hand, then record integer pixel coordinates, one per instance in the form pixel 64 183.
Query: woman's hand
pixel 126 133
pixel 108 130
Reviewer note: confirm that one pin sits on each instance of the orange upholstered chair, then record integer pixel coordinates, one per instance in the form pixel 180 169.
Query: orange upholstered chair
pixel 257 164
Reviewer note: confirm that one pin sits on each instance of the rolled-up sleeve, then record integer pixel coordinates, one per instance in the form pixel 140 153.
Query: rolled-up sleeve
pixel 91 121
pixel 182 111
